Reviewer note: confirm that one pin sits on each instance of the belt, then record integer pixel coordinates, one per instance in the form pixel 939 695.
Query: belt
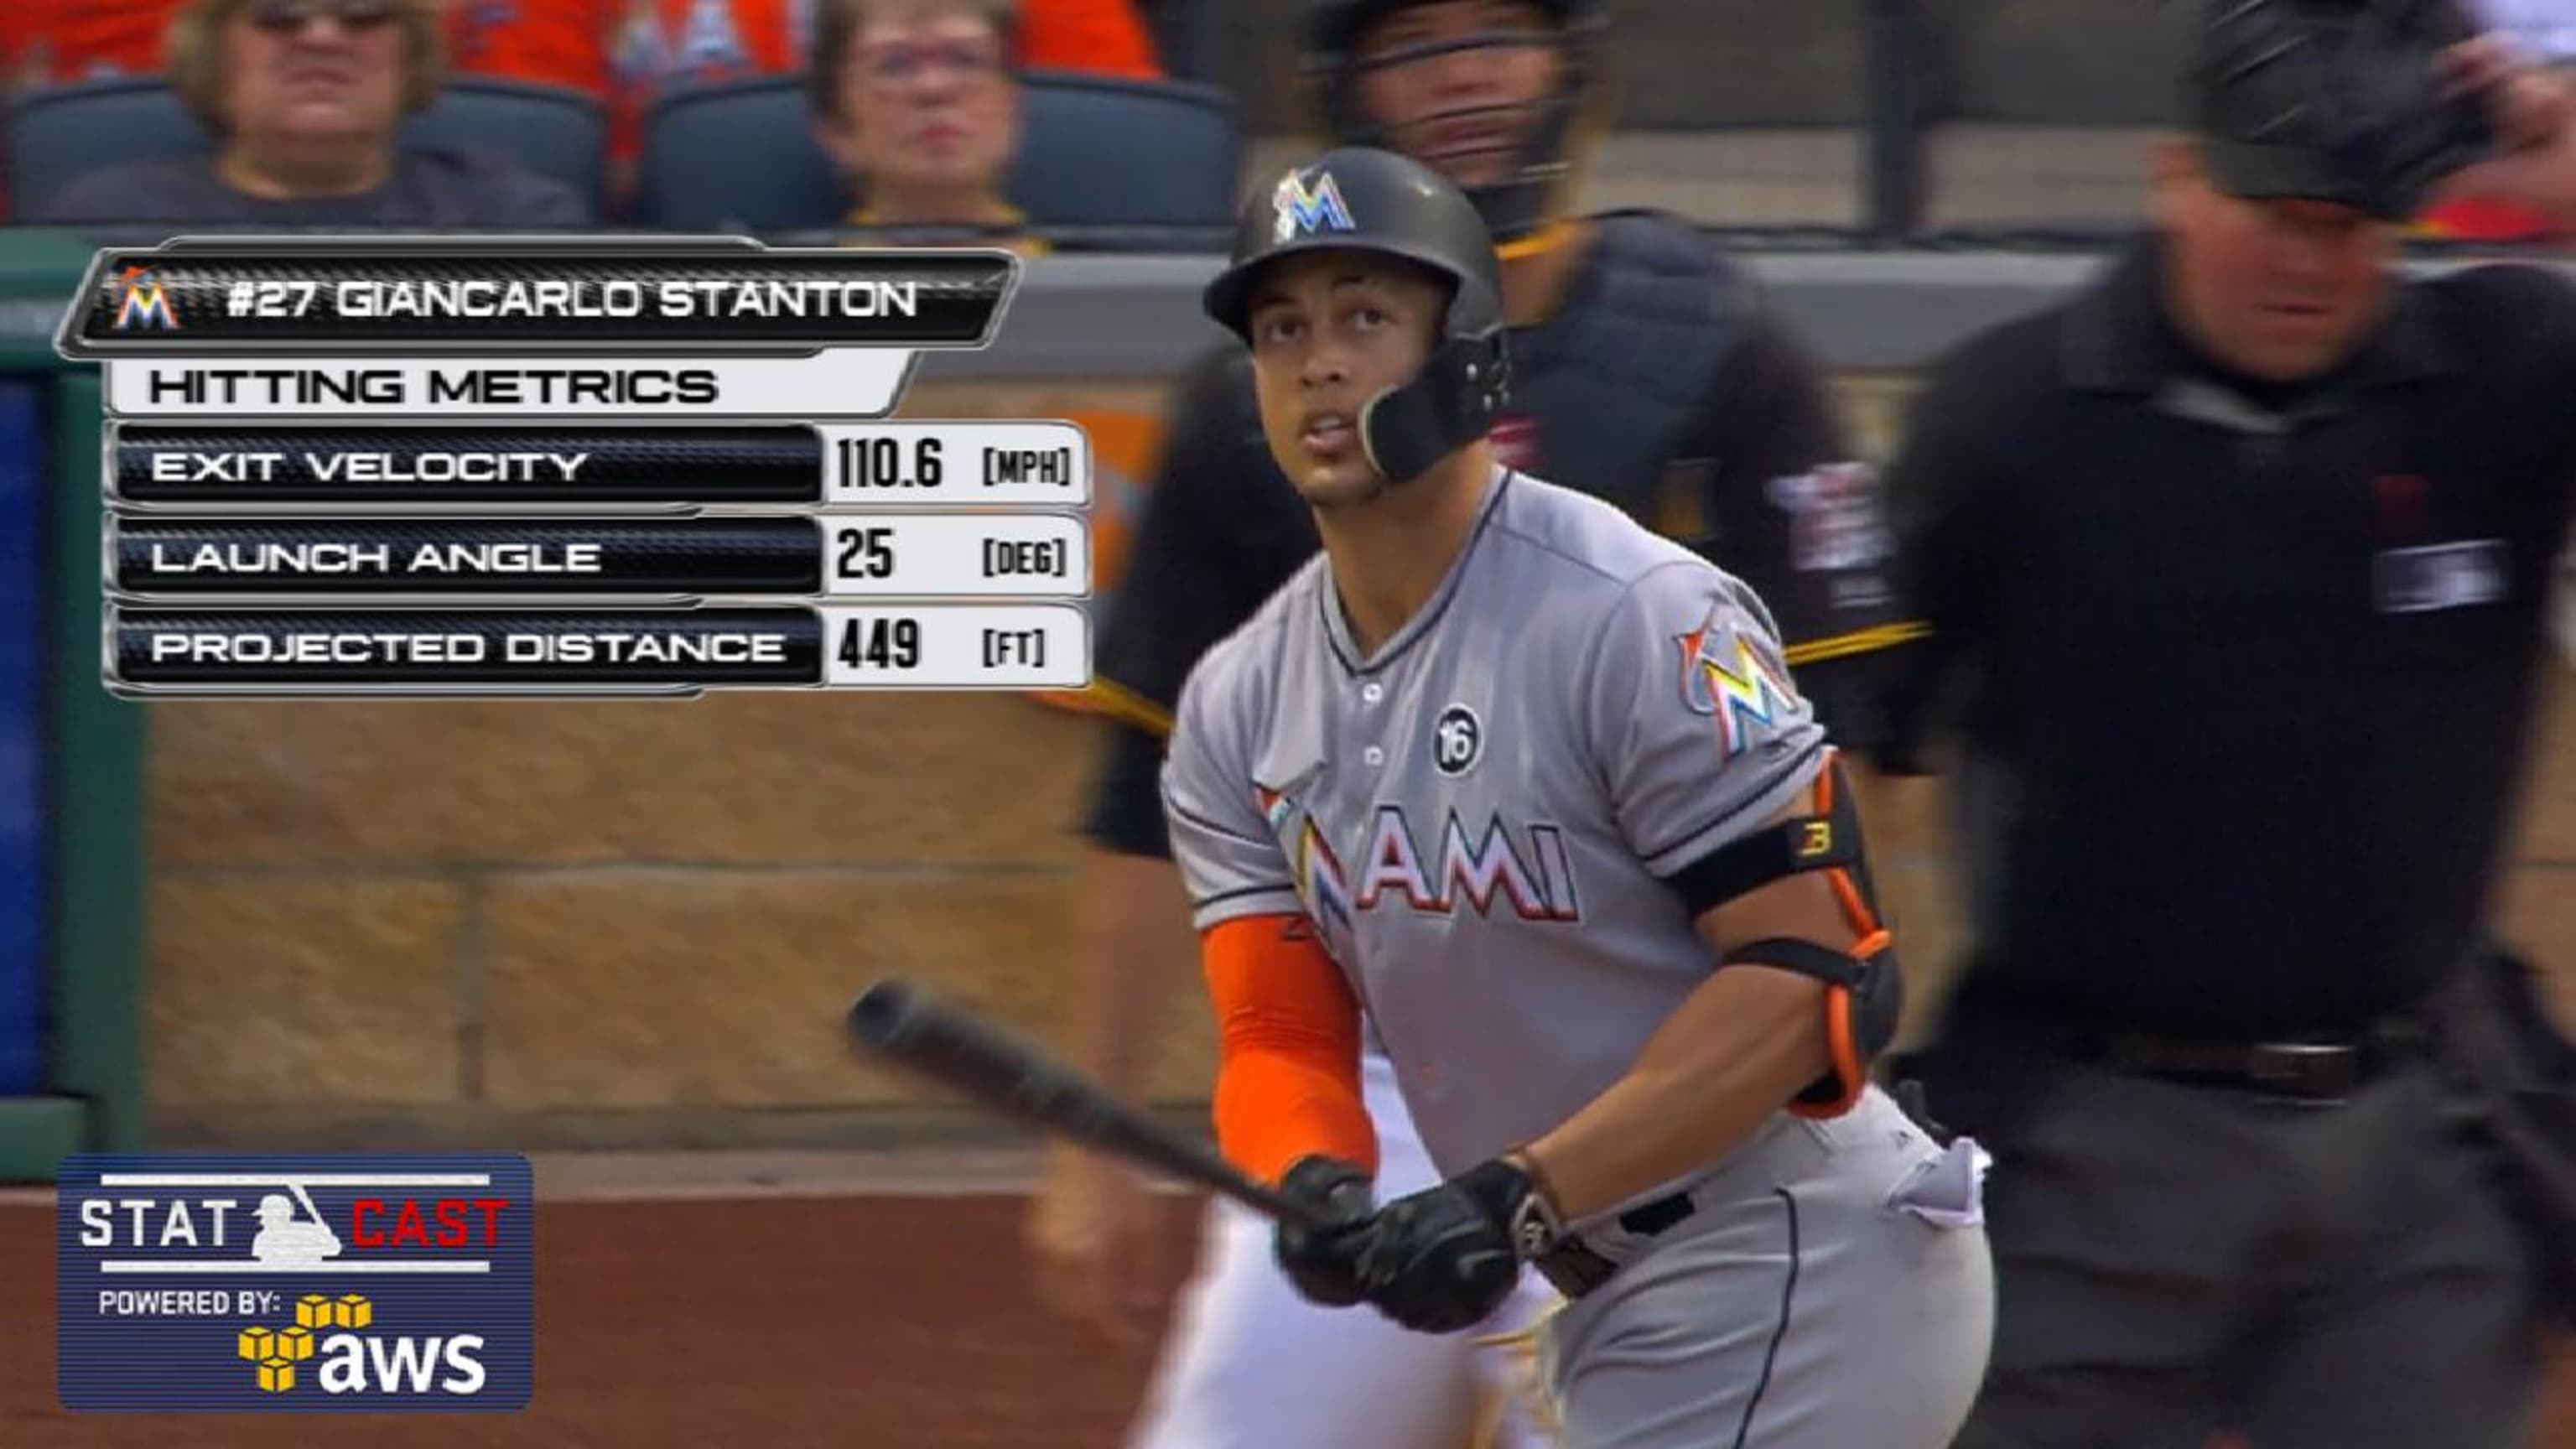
pixel 2308 1070
pixel 1574 1269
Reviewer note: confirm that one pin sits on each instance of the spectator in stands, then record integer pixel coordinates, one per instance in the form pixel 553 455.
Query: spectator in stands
pixel 305 100
pixel 667 43
pixel 553 42
pixel 918 102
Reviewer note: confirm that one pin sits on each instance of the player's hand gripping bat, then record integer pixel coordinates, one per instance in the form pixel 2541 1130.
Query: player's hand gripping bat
pixel 899 1023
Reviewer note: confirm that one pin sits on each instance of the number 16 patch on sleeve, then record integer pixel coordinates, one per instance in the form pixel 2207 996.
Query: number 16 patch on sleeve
pixel 284 1284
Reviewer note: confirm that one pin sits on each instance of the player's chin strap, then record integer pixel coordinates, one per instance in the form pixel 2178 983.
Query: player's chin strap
pixel 1864 992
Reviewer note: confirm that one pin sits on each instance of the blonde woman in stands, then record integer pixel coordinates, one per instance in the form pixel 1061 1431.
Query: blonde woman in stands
pixel 305 101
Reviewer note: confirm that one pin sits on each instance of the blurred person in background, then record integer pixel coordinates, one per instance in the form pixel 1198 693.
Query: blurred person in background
pixel 553 42
pixel 663 45
pixel 1646 371
pixel 305 100
pixel 917 101
pixel 2237 567
pixel 660 43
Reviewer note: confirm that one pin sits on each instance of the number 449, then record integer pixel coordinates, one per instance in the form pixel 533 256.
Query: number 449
pixel 881 643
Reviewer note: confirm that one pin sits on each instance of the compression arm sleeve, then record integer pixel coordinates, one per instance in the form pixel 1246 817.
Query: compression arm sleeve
pixel 1288 1042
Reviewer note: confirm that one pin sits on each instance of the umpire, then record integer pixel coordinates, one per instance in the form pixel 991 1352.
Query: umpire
pixel 2236 566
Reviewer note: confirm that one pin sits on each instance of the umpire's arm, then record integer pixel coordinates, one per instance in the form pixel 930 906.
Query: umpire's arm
pixel 1948 540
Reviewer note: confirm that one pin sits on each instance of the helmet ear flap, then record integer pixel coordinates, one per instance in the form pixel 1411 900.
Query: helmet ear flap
pixel 1453 401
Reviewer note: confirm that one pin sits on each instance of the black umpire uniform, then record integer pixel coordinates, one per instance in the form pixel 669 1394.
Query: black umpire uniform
pixel 2238 680
pixel 1657 383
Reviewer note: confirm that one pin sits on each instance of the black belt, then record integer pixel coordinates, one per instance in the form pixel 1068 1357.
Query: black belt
pixel 1574 1269
pixel 2319 1069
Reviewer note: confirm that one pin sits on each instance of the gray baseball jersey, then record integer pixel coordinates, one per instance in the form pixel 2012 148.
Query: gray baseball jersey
pixel 1481 816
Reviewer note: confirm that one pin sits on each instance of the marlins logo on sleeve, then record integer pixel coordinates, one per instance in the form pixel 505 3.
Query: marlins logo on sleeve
pixel 1732 674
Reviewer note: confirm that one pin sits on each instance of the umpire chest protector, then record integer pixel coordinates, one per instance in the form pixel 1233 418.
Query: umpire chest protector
pixel 1617 384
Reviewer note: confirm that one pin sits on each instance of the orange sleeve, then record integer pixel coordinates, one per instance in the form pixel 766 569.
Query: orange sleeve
pixel 1105 37
pixel 1288 1048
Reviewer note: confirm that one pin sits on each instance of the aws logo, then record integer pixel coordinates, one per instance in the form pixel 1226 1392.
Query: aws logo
pixel 328 1348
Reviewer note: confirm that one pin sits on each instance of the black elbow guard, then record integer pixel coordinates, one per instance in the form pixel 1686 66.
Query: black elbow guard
pixel 1864 1003
pixel 1864 991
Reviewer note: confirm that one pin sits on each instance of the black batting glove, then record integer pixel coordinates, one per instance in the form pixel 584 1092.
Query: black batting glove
pixel 1323 1263
pixel 1444 1259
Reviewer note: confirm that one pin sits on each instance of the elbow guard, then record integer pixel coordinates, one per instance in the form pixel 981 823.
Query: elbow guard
pixel 1864 992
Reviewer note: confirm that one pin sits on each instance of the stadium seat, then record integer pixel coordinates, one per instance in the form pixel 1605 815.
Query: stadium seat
pixel 62 132
pixel 554 131
pixel 1095 151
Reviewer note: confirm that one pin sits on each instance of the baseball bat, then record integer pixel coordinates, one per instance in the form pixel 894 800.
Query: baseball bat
pixel 900 1023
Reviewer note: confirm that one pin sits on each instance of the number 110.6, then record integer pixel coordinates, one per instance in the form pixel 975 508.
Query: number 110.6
pixel 879 463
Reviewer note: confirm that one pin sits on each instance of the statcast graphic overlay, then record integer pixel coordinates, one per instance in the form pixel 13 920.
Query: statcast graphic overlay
pixel 427 467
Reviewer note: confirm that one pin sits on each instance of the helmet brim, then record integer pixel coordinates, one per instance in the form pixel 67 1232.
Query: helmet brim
pixel 1227 298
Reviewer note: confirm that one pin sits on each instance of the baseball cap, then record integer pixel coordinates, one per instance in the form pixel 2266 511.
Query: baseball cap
pixel 2330 100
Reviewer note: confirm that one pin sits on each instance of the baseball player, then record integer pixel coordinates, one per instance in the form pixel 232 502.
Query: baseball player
pixel 1646 373
pixel 1532 788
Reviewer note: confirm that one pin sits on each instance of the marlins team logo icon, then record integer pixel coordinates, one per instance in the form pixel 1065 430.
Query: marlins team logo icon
pixel 1727 674
pixel 143 305
pixel 1302 211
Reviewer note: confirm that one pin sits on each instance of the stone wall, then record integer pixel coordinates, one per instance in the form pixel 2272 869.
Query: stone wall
pixel 530 924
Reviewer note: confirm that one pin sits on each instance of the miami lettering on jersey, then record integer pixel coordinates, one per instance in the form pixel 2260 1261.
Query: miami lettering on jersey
pixel 1728 675
pixel 1536 879
pixel 1316 871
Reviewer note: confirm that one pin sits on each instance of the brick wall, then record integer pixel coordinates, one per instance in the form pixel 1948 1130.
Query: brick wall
pixel 639 922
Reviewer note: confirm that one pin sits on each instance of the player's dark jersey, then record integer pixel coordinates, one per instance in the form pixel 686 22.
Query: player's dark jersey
pixel 2241 692
pixel 1659 384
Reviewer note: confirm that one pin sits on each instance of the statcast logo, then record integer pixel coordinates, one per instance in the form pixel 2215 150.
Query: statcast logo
pixel 331 1347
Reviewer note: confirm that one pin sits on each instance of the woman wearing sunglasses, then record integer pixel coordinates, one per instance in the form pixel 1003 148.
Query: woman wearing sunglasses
pixel 305 101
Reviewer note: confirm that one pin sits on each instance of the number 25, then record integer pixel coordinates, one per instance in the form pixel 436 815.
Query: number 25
pixel 866 553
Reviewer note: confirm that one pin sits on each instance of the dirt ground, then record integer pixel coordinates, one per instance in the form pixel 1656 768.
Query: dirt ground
pixel 776 1322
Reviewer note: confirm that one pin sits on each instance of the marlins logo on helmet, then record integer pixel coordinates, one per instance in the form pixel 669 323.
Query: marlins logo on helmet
pixel 1302 211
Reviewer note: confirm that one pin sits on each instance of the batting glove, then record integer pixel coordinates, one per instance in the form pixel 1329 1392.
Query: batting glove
pixel 1445 1259
pixel 1324 1263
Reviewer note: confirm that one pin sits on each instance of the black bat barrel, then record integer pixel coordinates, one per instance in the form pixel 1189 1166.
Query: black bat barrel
pixel 900 1023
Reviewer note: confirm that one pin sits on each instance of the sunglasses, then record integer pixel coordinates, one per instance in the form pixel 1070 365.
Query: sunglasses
pixel 287 17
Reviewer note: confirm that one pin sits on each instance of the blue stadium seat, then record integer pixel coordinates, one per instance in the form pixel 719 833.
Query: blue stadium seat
pixel 554 131
pixel 1095 151
pixel 62 132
